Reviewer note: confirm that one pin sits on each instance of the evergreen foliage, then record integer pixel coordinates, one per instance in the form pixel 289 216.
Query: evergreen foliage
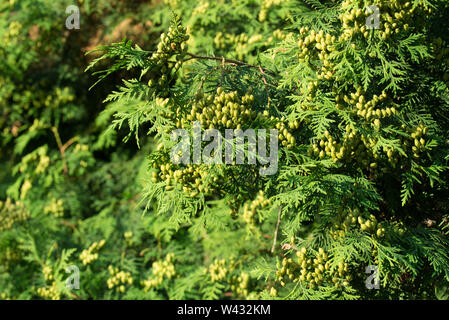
pixel 363 156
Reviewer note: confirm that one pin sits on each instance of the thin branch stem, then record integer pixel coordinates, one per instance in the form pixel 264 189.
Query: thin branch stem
pixel 205 77
pixel 277 229
pixel 227 61
pixel 63 147
pixel 69 143
pixel 266 84
pixel 222 72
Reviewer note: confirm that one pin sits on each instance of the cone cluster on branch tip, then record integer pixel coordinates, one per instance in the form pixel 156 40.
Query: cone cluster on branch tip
pixel 239 284
pixel 161 270
pixel 119 280
pixel 172 44
pixel 417 140
pixel 251 208
pixel 9 257
pixel 48 273
pixel 91 254
pixel 218 270
pixel 394 16
pixel 55 207
pixel 12 212
pixel 40 157
pixel 129 238
pixel 12 34
pixel 355 220
pixel 222 270
pixel 223 110
pixel 266 6
pixel 49 292
pixel 312 45
pixel 313 269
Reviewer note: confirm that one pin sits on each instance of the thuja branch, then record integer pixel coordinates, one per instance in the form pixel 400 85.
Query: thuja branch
pixel 223 60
